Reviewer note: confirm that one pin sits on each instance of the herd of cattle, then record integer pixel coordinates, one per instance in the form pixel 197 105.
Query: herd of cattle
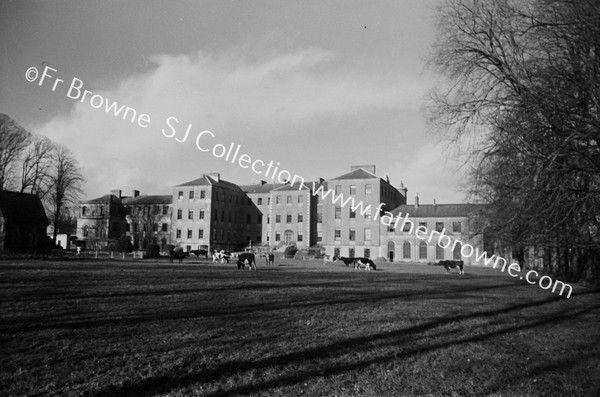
pixel 249 259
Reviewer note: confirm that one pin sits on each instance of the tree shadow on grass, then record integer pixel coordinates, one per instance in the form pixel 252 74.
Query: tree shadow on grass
pixel 165 383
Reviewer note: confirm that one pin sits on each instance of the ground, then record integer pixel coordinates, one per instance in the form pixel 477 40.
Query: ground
pixel 146 328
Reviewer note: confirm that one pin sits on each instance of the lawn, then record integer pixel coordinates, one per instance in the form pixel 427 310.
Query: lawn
pixel 146 328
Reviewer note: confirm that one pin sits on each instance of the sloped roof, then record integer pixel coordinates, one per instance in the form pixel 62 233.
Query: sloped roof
pixel 22 208
pixel 260 187
pixel 103 199
pixel 359 173
pixel 436 210
pixel 206 180
pixel 288 187
pixel 148 200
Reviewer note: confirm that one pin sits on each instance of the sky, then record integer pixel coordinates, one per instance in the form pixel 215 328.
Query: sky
pixel 312 86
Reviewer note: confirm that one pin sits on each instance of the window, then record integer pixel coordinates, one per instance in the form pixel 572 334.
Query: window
pixel 277 199
pixel 300 218
pixel 155 227
pixel 367 234
pixel 338 212
pixel 277 236
pixel 259 201
pixel 191 194
pixel 338 189
pixel 299 237
pixel 288 218
pixel 439 252
pixel 300 199
pixel 319 237
pixel 191 214
pixel 439 226
pixel 202 194
pixel 277 218
pixel 336 252
pixel 319 213
pixel 201 216
pixel 352 190
pixel 179 214
pixel 268 219
pixel 367 252
pixel 84 210
pixel 289 199
pixel 180 195
pixel 368 189
pixel 368 212
pixel 200 233
pixel 406 250
pixel 352 214
pixel 422 250
pixel 456 227
pixel 352 234
pixel 407 227
pixel 351 252
pixel 165 209
pixel 456 251
pixel 424 224
pixel 165 227
pixel 86 231
pixel 338 234
pixel 178 235
pixel 268 200
pixel 189 233
pixel 155 209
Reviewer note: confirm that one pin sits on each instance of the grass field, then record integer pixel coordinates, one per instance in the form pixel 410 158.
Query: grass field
pixel 145 328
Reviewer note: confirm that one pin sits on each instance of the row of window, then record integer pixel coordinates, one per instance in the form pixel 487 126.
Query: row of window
pixel 299 237
pixel 352 252
pixel 278 200
pixel 144 227
pixel 288 218
pixel 217 234
pixel 230 216
pixel 368 189
pixel 439 226
pixel 145 210
pixel 222 197
pixel 352 214
pixel 352 234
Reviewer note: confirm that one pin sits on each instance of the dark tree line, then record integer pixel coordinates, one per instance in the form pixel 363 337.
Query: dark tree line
pixel 520 91
pixel 34 164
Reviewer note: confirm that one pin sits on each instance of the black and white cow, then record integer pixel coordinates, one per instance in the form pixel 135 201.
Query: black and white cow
pixel 246 258
pixel 220 256
pixel 367 263
pixel 347 261
pixel 453 265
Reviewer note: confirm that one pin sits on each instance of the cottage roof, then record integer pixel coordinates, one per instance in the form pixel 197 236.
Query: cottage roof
pixel 148 200
pixel 436 210
pixel 22 208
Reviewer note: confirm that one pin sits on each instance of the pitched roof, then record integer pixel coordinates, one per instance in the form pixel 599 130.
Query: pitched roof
pixel 436 210
pixel 148 200
pixel 287 187
pixel 260 187
pixel 206 180
pixel 22 207
pixel 359 173
pixel 102 199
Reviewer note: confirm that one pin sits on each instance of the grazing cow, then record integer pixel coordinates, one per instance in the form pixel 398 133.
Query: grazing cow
pixel 246 258
pixel 453 265
pixel 177 254
pixel 364 262
pixel 220 256
pixel 347 261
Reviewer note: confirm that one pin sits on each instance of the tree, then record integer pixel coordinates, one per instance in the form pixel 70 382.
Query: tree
pixel 13 141
pixel 521 85
pixel 35 167
pixel 65 185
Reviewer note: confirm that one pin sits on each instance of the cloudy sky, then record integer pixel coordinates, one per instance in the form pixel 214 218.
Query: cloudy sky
pixel 316 86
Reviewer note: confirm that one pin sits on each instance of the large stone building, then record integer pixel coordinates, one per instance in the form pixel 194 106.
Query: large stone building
pixel 213 214
pixel 148 220
pixel 101 221
pixel 357 233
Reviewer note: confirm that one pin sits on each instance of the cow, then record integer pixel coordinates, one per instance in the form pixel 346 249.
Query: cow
pixel 347 261
pixel 453 265
pixel 220 256
pixel 364 262
pixel 246 257
pixel 327 259
pixel 178 254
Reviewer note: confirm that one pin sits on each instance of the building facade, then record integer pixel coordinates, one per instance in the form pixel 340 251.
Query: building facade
pixel 101 221
pixel 213 214
pixel 148 220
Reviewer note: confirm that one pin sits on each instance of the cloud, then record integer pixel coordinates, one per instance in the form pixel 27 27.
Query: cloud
pixel 237 94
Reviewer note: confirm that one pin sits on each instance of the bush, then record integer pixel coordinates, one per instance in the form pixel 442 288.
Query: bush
pixel 290 251
pixel 124 244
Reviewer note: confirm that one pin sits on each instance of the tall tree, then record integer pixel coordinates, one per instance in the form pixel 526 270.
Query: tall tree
pixel 65 186
pixel 36 165
pixel 521 84
pixel 13 141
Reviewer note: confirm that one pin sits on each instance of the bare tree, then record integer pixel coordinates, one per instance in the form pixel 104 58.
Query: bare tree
pixel 66 185
pixel 35 167
pixel 13 141
pixel 521 84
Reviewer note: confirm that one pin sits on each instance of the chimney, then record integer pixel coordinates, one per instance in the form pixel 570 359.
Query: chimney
pixel 136 193
pixel 417 201
pixel 214 175
pixel 116 192
pixel 434 202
